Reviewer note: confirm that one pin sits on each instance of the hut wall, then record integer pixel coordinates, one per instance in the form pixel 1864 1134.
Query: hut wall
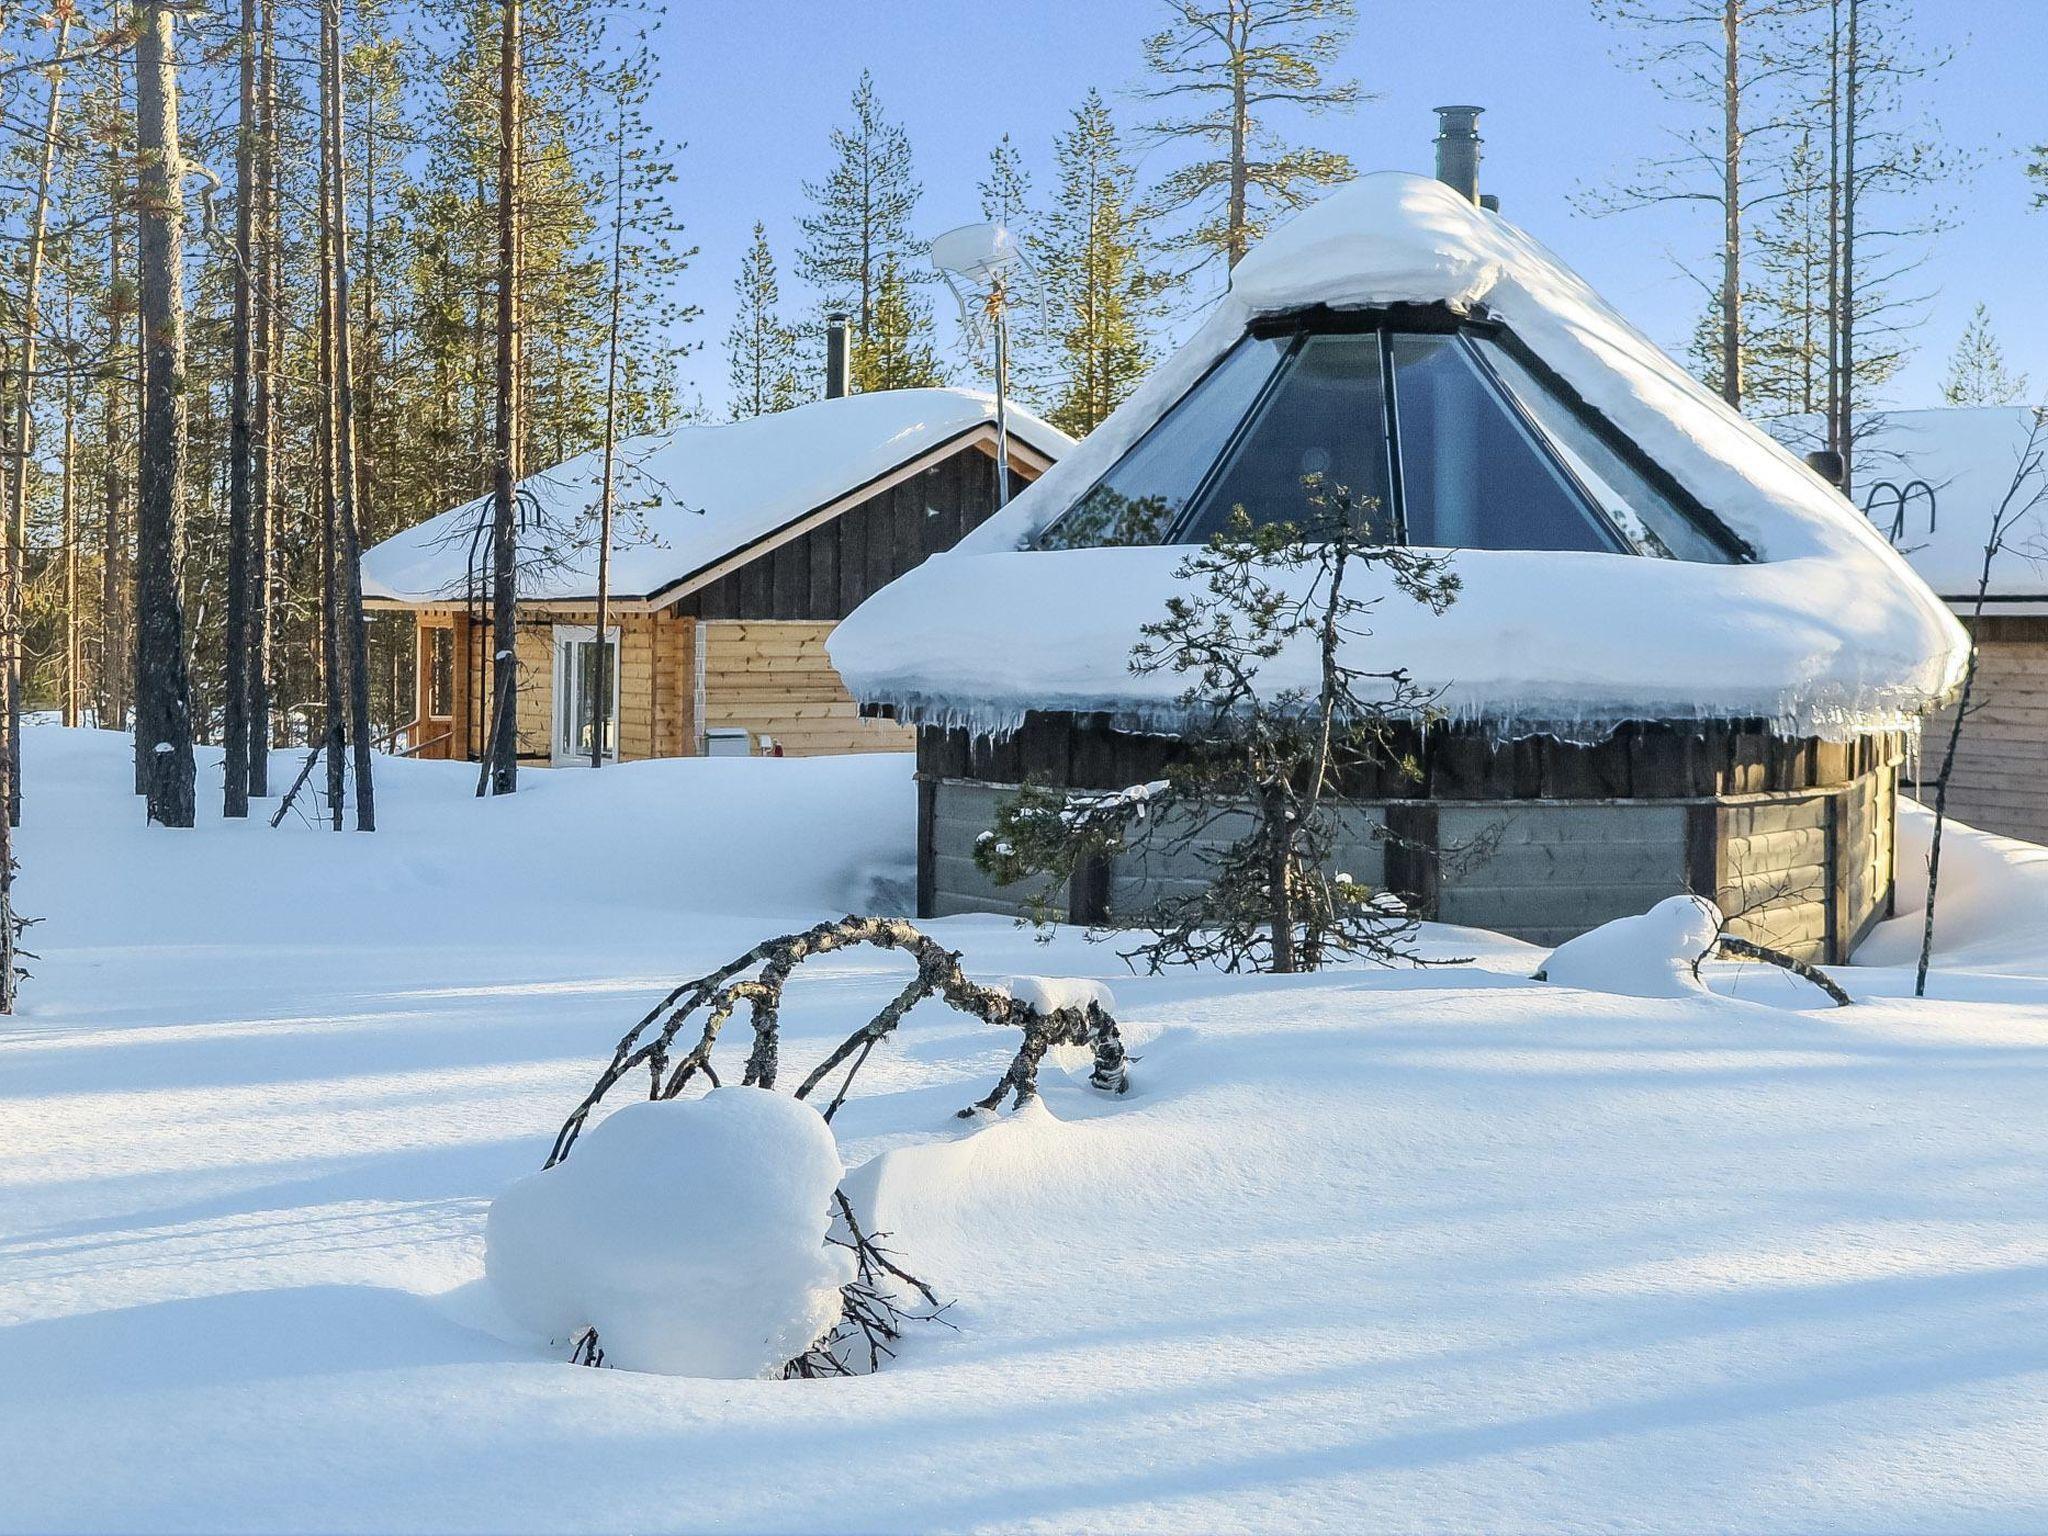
pixel 1539 839
pixel 2000 782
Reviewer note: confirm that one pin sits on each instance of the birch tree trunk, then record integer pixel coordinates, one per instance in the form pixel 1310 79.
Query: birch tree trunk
pixel 163 702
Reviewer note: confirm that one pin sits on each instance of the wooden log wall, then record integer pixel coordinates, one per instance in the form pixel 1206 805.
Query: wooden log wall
pixel 2001 779
pixel 774 679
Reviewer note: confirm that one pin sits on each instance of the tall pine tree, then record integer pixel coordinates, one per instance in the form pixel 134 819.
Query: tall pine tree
pixel 1224 67
pixel 1099 295
pixel 899 352
pixel 1977 371
pixel 860 218
pixel 761 348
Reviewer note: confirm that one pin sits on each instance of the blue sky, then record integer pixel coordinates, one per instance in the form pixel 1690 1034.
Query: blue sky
pixel 754 87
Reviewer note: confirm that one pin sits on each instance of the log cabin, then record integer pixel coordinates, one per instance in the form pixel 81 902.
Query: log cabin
pixel 1932 481
pixel 736 549
pixel 1680 660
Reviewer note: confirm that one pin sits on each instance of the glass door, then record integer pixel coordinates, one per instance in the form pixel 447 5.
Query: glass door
pixel 583 665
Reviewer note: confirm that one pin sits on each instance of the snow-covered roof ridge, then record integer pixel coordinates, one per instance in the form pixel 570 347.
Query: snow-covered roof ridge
pixel 1968 456
pixel 694 495
pixel 1856 634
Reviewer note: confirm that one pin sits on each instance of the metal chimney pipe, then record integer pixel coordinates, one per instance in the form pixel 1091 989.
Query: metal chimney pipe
pixel 1457 150
pixel 835 355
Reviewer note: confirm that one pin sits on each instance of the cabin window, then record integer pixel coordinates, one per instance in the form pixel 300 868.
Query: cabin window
pixel 1645 515
pixel 1472 475
pixel 582 666
pixel 1141 499
pixel 1323 417
pixel 1440 435
pixel 440 668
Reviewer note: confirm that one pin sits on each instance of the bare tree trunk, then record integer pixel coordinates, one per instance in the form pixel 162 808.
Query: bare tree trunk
pixel 1731 203
pixel 25 424
pixel 1845 396
pixel 335 727
pixel 263 435
pixel 1236 237
pixel 504 744
pixel 600 696
pixel 1276 813
pixel 163 699
pixel 348 554
pixel 114 644
pixel 241 447
pixel 74 695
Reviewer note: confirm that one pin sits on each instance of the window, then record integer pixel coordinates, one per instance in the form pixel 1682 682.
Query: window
pixel 440 670
pixel 1472 476
pixel 1143 496
pixel 1644 514
pixel 1440 435
pixel 1324 416
pixel 582 666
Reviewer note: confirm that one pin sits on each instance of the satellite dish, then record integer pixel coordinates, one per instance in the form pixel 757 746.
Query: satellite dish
pixel 977 252
pixel 977 260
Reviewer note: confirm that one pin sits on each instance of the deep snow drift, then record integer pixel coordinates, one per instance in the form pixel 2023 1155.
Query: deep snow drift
pixel 689 1233
pixel 1431 1250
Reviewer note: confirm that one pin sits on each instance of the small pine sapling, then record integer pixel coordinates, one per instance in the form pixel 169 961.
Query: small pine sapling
pixel 1253 797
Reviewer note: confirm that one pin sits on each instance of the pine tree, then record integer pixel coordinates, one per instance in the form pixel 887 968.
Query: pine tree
pixel 899 352
pixel 1098 292
pixel 861 217
pixel 1723 63
pixel 761 349
pixel 1228 64
pixel 1977 374
pixel 1787 313
pixel 1006 190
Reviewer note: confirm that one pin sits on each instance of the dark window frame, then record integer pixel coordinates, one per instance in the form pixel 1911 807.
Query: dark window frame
pixel 1438 319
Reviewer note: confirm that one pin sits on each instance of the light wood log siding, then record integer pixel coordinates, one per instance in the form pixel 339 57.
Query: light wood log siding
pixel 2000 782
pixel 778 683
pixel 774 679
pixel 656 673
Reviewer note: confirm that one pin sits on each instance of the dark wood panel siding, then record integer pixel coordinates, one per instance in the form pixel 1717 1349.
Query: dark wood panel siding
pixel 1641 762
pixel 828 572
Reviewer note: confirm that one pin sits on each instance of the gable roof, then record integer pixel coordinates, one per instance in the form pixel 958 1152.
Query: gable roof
pixel 1969 457
pixel 1827 632
pixel 690 500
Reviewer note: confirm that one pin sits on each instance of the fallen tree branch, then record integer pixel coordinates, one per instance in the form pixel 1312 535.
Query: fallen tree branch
pixel 1743 949
pixel 717 996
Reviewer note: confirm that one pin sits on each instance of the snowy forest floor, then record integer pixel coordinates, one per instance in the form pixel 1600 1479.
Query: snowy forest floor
pixel 1429 1250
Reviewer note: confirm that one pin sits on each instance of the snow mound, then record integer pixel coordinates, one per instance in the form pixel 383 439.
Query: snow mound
pixel 690 1233
pixel 1993 907
pixel 1650 955
pixel 1045 995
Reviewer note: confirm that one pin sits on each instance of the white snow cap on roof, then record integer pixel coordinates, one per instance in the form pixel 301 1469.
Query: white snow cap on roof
pixel 690 497
pixel 1827 633
pixel 1972 458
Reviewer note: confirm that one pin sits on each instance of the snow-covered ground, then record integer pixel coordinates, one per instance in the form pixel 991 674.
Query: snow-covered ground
pixel 1446 1249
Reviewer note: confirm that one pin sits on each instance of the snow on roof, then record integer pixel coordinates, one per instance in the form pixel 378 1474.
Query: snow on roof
pixel 1969 457
pixel 688 498
pixel 1828 632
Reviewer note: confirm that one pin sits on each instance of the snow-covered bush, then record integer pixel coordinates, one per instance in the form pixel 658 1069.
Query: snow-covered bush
pixel 1655 954
pixel 690 1233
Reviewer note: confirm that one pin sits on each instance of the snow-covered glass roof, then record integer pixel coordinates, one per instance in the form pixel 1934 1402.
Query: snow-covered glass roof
pixel 1442 435
pixel 1781 603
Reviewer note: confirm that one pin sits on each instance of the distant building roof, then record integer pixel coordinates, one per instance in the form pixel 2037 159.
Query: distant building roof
pixel 689 499
pixel 1967 456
